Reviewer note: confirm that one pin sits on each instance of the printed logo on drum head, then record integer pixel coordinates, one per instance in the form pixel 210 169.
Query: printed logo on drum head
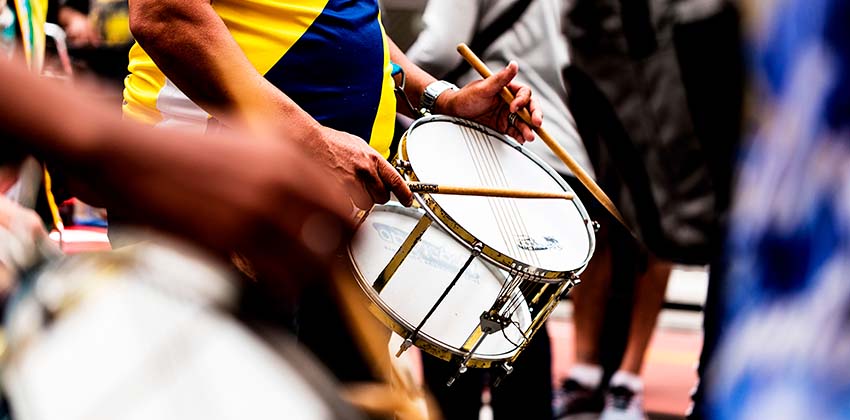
pixel 426 252
pixel 531 244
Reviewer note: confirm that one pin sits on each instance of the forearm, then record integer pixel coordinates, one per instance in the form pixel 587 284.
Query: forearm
pixel 417 81
pixel 416 78
pixel 44 120
pixel 192 46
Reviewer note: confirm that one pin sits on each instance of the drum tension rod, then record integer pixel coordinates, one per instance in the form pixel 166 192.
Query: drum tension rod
pixel 462 368
pixel 476 251
pixel 508 370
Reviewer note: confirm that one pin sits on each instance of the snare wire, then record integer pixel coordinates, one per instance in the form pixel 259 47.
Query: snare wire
pixel 511 204
pixel 507 216
pixel 486 177
pixel 490 172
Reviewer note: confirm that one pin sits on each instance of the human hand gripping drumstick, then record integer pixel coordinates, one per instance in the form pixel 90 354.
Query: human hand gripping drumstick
pixel 556 148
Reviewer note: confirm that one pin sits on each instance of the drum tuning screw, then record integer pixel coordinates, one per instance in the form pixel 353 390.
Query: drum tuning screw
pixel 460 371
pixel 403 165
pixel 477 248
pixel 595 225
pixel 508 370
pixel 404 346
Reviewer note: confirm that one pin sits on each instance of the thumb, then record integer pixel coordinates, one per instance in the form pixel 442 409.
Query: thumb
pixel 494 84
pixel 395 182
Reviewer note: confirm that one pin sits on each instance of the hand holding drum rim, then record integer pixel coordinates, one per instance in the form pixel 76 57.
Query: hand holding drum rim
pixel 363 172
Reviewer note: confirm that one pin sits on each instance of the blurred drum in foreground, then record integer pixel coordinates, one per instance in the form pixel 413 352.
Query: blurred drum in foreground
pixel 144 333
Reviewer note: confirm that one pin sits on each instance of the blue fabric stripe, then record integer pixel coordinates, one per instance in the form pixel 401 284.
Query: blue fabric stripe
pixel 335 70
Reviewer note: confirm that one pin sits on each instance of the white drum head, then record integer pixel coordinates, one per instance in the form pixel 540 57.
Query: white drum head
pixel 550 234
pixel 127 349
pixel 424 275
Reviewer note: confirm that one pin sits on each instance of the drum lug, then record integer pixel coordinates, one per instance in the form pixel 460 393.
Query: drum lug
pixel 508 370
pixel 595 225
pixel 460 371
pixel 403 166
pixel 404 346
pixel 477 249
pixel 574 281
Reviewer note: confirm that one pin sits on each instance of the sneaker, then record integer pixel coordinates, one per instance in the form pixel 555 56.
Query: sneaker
pixel 621 403
pixel 574 401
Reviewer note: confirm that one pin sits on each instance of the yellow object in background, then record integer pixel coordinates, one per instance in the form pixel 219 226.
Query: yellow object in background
pixel 31 16
pixel 112 20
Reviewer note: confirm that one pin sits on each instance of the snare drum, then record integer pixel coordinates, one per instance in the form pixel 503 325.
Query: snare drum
pixel 144 333
pixel 470 278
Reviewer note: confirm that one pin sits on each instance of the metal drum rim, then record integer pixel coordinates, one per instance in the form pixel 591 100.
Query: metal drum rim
pixel 449 225
pixel 400 325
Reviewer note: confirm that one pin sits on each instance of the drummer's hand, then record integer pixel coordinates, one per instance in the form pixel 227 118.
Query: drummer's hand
pixel 364 173
pixel 21 233
pixel 481 101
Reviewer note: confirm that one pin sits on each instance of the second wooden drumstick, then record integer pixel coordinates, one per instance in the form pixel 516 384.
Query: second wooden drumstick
pixel 556 148
pixel 422 187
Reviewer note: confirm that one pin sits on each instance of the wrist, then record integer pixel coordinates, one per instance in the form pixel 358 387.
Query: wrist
pixel 436 96
pixel 445 103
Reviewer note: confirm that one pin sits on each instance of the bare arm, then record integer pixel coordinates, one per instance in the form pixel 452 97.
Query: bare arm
pixel 193 47
pixel 181 183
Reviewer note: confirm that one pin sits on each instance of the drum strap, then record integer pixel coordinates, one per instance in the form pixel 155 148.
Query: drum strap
pixel 484 38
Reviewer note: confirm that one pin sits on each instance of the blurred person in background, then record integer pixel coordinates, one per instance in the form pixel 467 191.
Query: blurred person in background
pixel 531 33
pixel 783 346
pixel 98 37
pixel 643 82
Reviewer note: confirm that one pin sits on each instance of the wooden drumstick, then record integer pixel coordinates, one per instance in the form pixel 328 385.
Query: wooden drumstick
pixel 556 148
pixel 422 187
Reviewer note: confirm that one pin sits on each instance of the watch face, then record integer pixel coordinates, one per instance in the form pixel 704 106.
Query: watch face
pixel 432 91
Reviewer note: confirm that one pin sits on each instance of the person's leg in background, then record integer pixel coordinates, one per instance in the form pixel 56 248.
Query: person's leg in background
pixel 624 399
pixel 581 390
pixel 462 400
pixel 527 392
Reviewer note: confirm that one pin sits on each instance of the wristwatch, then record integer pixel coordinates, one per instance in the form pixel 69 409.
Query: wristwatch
pixel 431 93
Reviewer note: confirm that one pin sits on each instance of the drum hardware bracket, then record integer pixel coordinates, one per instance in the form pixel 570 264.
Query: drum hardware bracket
pixel 595 225
pixel 462 368
pixel 508 370
pixel 492 322
pixel 574 281
pixel 403 166
pixel 408 342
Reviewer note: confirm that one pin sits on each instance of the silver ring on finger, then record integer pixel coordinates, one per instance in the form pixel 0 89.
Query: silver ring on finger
pixel 512 119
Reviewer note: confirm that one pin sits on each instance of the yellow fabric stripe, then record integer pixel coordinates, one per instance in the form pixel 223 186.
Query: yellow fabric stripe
pixel 39 18
pixel 32 15
pixel 141 87
pixel 266 30
pixel 384 125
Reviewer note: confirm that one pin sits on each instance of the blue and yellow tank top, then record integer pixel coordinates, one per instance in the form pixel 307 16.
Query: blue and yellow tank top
pixel 330 56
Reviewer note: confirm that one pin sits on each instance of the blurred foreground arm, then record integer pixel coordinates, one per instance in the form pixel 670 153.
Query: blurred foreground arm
pixel 261 198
